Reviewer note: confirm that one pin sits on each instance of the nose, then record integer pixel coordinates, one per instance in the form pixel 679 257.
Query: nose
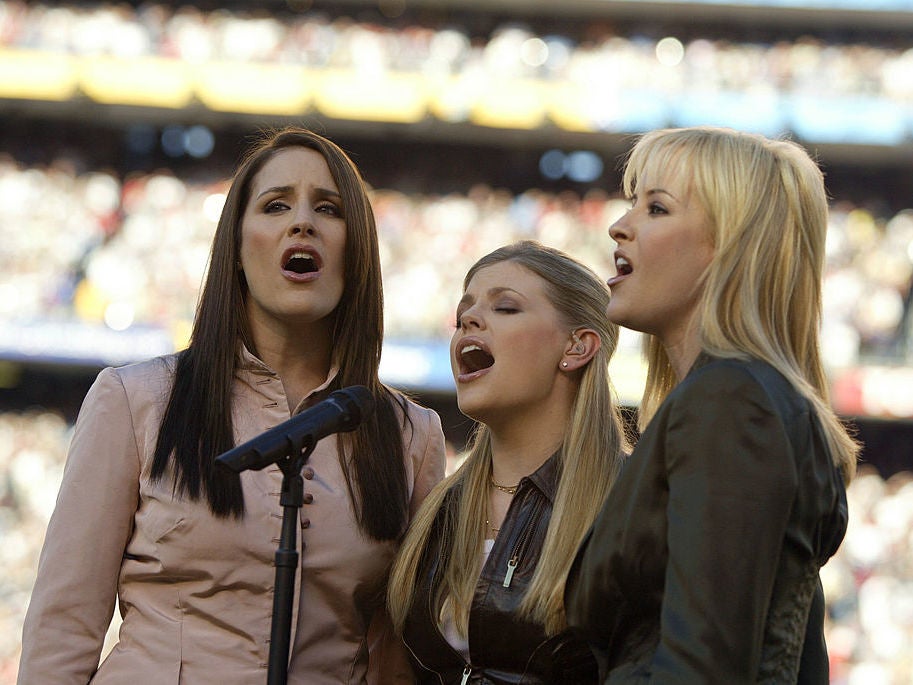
pixel 302 228
pixel 620 230
pixel 470 319
pixel 303 224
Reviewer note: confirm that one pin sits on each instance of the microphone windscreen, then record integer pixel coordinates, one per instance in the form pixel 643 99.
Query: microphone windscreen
pixel 358 400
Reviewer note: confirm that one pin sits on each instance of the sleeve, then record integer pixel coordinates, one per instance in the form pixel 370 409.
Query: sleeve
pixel 732 481
pixel 76 586
pixel 814 665
pixel 429 460
pixel 388 662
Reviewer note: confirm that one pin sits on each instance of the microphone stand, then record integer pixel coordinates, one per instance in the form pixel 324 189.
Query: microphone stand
pixel 291 499
pixel 289 445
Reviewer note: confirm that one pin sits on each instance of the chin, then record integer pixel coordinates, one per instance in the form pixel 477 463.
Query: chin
pixel 473 409
pixel 620 317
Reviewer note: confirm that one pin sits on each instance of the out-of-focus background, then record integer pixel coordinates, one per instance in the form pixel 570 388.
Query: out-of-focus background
pixel 477 122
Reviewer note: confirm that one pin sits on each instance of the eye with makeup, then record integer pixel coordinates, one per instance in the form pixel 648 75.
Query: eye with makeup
pixel 330 209
pixel 274 206
pixel 656 208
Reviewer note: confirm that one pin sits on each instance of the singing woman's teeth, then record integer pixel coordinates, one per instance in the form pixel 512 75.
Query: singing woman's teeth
pixel 301 262
pixel 474 358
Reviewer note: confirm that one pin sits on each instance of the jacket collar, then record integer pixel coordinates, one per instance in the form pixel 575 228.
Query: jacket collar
pixel 250 365
pixel 702 359
pixel 546 477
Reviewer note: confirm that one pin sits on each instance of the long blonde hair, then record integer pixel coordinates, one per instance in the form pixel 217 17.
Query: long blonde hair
pixel 589 462
pixel 767 207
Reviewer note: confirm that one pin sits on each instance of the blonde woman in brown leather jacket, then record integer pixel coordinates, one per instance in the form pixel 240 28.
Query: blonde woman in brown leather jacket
pixel 477 589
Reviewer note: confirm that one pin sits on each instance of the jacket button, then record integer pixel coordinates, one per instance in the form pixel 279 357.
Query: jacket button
pixel 308 473
pixel 305 523
pixel 308 498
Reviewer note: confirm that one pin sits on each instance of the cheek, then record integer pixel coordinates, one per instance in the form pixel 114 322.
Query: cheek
pixel 534 351
pixel 334 251
pixel 695 261
pixel 452 355
pixel 253 246
pixel 678 261
pixel 334 234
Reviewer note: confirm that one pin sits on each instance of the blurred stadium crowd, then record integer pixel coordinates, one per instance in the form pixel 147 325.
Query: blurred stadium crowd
pixel 120 250
pixel 119 263
pixel 605 80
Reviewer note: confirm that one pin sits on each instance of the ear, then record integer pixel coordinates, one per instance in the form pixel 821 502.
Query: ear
pixel 582 346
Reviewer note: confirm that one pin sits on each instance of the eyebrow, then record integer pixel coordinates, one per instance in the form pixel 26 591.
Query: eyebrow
pixel 658 191
pixel 492 292
pixel 323 192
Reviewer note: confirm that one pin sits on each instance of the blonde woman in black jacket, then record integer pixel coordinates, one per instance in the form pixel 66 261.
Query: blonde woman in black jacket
pixel 703 566
pixel 477 588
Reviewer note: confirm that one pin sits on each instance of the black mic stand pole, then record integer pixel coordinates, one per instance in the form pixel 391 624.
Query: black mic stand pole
pixel 291 499
pixel 289 446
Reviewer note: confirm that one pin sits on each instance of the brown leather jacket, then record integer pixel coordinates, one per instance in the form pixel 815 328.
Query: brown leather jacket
pixel 504 648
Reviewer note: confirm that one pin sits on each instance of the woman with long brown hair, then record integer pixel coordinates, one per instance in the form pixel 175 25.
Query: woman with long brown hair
pixel 291 310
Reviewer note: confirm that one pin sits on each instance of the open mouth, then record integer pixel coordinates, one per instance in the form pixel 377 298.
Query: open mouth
pixel 301 263
pixel 473 358
pixel 622 266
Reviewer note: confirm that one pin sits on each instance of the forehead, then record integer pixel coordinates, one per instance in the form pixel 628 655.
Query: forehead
pixel 658 165
pixel 662 173
pixel 507 274
pixel 294 164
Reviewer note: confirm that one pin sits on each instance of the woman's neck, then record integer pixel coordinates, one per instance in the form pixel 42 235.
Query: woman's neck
pixel 683 351
pixel 302 358
pixel 519 450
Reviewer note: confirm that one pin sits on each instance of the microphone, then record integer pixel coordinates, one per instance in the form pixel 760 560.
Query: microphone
pixel 342 411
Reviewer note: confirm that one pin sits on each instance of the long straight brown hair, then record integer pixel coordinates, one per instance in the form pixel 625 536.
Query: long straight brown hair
pixel 197 423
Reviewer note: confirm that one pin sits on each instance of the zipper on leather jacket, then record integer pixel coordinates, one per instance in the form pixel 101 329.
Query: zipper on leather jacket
pixel 467 671
pixel 522 543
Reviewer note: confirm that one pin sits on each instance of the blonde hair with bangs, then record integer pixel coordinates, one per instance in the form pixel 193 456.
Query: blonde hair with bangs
pixel 766 205
pixel 589 462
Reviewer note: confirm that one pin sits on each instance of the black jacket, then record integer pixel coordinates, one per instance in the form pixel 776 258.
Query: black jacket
pixel 703 565
pixel 503 647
